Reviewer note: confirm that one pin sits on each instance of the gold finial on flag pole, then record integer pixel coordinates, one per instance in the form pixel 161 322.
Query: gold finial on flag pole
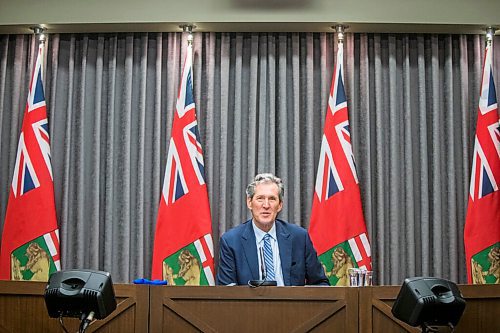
pixel 490 33
pixel 340 29
pixel 39 32
pixel 189 29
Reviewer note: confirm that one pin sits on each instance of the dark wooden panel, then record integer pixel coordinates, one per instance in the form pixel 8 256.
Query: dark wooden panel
pixel 375 311
pixel 22 309
pixel 482 312
pixel 243 309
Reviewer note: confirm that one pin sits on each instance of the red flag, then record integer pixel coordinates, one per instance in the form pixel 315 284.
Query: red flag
pixel 482 224
pixel 337 225
pixel 30 239
pixel 183 248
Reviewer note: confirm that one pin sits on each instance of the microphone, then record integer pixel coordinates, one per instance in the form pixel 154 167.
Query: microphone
pixel 263 271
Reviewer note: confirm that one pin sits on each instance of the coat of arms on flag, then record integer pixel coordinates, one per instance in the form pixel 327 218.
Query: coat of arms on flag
pixel 482 225
pixel 337 226
pixel 30 239
pixel 37 259
pixel 183 250
pixel 353 253
pixel 191 265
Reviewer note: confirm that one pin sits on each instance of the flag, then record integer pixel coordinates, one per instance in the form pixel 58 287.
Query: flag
pixel 337 227
pixel 482 223
pixel 183 251
pixel 30 239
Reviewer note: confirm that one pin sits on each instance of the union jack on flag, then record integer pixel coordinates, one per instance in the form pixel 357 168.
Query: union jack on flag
pixel 174 184
pixel 484 177
pixel 184 224
pixel 25 178
pixel 25 174
pixel 41 131
pixel 334 170
pixel 185 100
pixel 328 181
pixel 193 144
pixel 186 144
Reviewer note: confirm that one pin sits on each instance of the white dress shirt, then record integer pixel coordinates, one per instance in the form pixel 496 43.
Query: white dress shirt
pixel 259 239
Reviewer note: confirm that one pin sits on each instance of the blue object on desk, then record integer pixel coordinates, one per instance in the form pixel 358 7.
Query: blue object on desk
pixel 153 282
pixel 159 282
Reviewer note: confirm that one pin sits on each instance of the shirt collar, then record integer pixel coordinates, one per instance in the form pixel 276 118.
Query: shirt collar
pixel 259 234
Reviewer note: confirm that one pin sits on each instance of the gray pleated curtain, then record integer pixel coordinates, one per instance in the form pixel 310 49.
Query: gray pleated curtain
pixel 261 102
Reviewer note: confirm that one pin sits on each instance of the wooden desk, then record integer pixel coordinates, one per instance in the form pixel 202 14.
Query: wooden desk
pixel 143 308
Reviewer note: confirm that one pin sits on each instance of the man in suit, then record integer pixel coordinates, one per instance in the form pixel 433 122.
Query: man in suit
pixel 268 246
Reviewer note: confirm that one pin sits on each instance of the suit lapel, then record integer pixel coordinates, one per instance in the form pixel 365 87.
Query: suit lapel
pixel 250 249
pixel 285 246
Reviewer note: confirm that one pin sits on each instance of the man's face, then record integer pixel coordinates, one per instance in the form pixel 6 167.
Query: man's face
pixel 265 205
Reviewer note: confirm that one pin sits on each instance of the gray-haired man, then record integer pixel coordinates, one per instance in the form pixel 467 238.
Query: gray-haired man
pixel 284 249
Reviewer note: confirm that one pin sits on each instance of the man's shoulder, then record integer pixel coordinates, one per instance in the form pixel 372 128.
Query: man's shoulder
pixel 291 228
pixel 236 231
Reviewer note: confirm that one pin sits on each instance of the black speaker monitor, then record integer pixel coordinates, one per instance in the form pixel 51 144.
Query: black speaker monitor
pixel 77 293
pixel 429 301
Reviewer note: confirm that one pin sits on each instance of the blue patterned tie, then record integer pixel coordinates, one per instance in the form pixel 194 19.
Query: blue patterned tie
pixel 268 258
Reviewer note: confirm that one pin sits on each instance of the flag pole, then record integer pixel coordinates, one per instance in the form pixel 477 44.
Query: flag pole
pixel 189 29
pixel 40 33
pixel 42 38
pixel 490 33
pixel 340 29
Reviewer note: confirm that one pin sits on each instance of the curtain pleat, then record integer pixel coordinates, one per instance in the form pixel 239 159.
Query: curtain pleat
pixel 261 100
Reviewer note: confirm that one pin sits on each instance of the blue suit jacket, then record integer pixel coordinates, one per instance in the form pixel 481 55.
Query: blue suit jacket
pixel 238 262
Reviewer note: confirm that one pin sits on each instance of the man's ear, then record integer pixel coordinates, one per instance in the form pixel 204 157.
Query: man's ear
pixel 280 207
pixel 249 203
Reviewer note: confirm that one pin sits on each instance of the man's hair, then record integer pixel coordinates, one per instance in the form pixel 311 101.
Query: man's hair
pixel 263 178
